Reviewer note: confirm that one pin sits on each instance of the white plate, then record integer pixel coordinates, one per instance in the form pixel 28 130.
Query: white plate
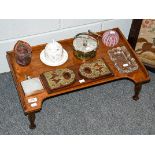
pixel 49 63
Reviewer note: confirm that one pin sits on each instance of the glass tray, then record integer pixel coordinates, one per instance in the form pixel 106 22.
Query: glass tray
pixel 123 60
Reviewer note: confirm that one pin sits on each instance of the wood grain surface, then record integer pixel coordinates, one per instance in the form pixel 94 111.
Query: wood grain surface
pixel 36 68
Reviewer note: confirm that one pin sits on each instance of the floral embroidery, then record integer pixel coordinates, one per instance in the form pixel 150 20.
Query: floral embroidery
pixel 152 30
pixel 147 23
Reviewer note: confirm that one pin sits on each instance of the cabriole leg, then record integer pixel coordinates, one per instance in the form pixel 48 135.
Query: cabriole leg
pixel 138 88
pixel 31 117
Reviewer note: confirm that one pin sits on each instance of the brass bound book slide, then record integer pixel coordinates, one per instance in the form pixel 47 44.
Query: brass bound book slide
pixel 94 69
pixel 57 79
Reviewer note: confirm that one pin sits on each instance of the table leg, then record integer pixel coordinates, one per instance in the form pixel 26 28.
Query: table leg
pixel 31 117
pixel 138 88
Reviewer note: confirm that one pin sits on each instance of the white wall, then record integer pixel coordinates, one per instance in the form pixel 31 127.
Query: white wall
pixel 43 31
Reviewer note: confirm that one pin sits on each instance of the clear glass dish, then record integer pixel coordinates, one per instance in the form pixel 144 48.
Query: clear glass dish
pixel 123 60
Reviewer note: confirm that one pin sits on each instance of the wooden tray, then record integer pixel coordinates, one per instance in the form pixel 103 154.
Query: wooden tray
pixel 36 68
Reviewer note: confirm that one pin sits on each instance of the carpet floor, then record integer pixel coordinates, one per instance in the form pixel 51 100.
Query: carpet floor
pixel 100 110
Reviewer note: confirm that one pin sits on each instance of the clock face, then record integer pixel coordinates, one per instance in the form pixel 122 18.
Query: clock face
pixel 85 43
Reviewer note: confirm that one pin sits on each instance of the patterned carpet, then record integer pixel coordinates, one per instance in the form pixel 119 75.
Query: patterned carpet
pixel 105 109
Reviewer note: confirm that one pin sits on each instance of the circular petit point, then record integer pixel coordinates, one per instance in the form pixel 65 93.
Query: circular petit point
pixel 110 38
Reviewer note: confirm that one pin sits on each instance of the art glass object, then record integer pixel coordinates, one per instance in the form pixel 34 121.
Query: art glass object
pixel 23 53
pixel 110 38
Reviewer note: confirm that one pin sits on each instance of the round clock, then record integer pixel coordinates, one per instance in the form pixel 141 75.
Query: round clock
pixel 85 46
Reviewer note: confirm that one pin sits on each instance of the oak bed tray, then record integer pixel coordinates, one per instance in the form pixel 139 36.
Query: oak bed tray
pixel 36 68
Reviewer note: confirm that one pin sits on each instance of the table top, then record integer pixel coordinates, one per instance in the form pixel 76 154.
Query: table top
pixel 36 68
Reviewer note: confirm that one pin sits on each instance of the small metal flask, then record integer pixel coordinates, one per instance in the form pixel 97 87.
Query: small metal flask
pixel 23 53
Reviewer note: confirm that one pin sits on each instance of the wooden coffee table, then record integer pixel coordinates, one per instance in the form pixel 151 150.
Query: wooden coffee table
pixel 36 68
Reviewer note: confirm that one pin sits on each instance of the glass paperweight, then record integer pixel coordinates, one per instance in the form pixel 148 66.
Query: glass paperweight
pixel 23 53
pixel 122 60
pixel 110 38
